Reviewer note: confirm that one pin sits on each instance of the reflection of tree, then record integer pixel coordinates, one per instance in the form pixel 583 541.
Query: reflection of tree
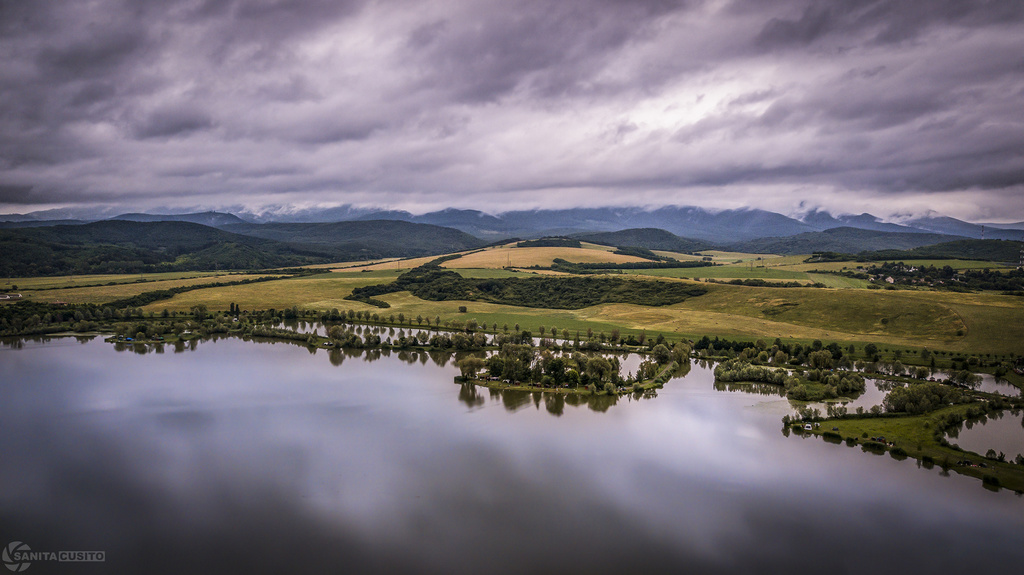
pixel 514 400
pixel 758 388
pixel 601 403
pixel 336 357
pixel 554 403
pixel 470 395
pixel 440 358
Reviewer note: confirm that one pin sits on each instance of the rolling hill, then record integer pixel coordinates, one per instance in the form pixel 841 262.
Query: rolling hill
pixel 128 247
pixel 122 246
pixel 842 240
pixel 1003 251
pixel 366 239
pixel 215 219
pixel 650 238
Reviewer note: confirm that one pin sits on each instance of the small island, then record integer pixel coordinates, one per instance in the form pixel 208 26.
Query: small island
pixel 528 368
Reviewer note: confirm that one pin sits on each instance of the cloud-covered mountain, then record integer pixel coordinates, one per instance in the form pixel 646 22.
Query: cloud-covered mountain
pixel 714 226
pixel 841 240
pixel 215 219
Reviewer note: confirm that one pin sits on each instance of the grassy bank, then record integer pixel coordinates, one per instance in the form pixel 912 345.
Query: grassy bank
pixel 913 436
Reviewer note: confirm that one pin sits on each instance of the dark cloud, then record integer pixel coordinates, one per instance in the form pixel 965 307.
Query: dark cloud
pixel 454 102
pixel 13 194
pixel 882 21
pixel 173 121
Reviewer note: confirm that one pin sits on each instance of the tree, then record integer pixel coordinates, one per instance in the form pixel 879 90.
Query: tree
pixel 661 354
pixel 470 366
pixel 599 367
pixel 871 350
pixel 462 309
pixel 821 359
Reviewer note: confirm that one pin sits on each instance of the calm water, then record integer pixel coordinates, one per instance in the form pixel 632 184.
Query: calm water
pixel 1002 432
pixel 265 458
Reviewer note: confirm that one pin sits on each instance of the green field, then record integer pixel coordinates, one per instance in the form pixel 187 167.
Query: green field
pixel 938 320
pixel 490 273
pixel 724 272
pixel 733 257
pixel 987 323
pixel 913 434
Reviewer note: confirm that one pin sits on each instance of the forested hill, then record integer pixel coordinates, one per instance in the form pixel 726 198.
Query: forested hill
pixel 131 247
pixel 115 246
pixel 650 238
pixel 1004 251
pixel 842 240
pixel 387 238
pixel 215 219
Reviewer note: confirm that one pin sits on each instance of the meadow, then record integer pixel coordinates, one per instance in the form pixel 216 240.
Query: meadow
pixel 50 282
pixel 96 291
pixel 938 320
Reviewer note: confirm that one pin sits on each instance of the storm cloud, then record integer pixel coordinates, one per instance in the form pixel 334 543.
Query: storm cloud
pixel 887 106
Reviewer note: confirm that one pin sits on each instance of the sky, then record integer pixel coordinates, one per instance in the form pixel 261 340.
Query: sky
pixel 891 107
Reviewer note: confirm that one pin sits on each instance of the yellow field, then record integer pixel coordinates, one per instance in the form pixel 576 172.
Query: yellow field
pixel 985 323
pixel 988 323
pixel 87 280
pixel 105 293
pixel 728 257
pixel 839 266
pixel 526 257
pixel 677 255
pixel 343 265
pixel 400 264
pixel 322 292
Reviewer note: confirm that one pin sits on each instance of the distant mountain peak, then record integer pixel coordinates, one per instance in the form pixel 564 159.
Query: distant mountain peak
pixel 214 219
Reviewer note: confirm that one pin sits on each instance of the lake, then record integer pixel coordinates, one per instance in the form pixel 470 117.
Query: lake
pixel 1002 432
pixel 251 457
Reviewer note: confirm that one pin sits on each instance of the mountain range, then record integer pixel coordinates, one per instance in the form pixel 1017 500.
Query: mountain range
pixel 715 226
pixel 218 240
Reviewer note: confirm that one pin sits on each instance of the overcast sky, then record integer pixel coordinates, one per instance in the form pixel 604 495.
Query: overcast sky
pixel 859 105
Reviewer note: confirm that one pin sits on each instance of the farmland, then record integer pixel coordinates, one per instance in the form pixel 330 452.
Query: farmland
pixel 984 322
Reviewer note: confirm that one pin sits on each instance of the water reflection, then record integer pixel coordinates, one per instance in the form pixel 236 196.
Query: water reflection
pixel 1002 431
pixel 246 457
pixel 758 388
